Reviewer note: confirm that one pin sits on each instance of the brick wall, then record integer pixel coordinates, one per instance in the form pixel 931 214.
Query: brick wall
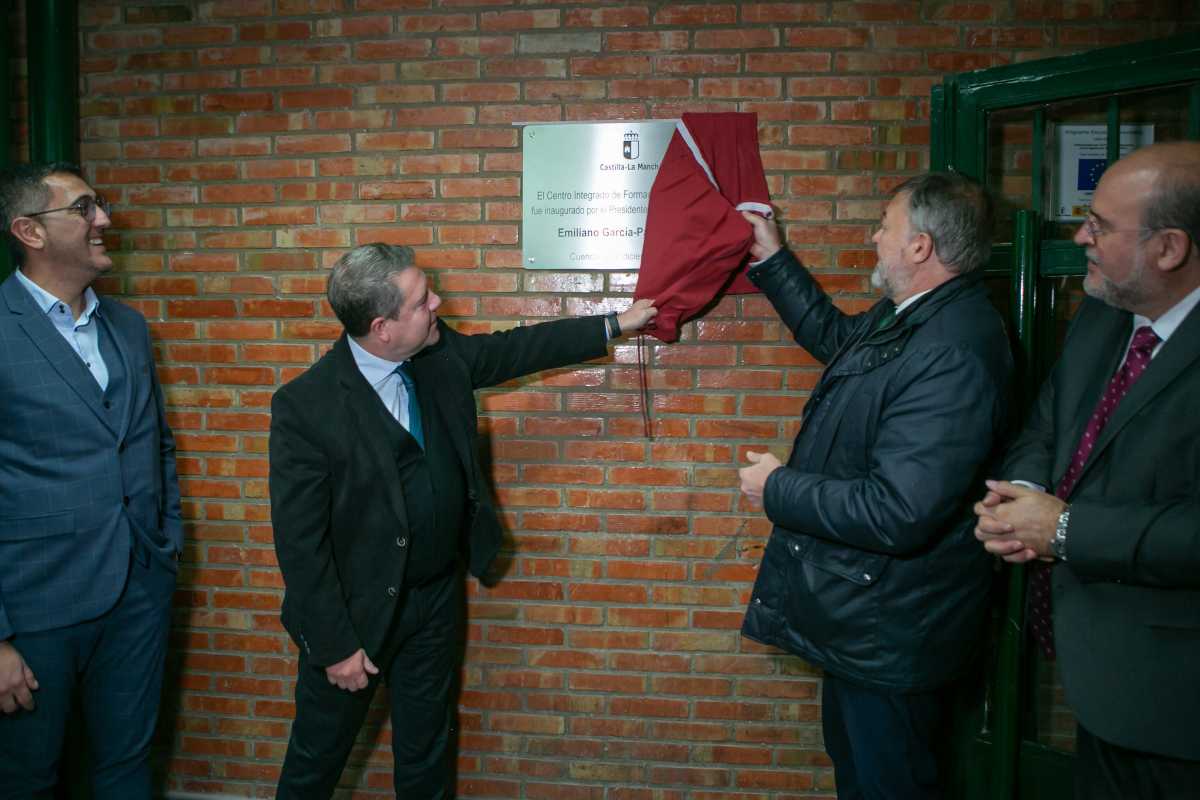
pixel 248 143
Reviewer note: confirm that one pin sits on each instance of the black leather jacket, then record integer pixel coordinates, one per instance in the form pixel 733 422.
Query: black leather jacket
pixel 872 570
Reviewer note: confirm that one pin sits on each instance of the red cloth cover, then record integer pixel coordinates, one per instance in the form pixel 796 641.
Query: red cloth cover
pixel 696 242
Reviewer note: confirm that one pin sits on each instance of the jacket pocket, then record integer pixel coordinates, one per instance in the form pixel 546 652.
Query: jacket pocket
pixel 857 566
pixel 832 601
pixel 39 527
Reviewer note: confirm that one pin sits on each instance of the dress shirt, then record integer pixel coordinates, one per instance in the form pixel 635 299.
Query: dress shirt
pixel 381 374
pixel 1167 322
pixel 1163 327
pixel 909 301
pixel 81 334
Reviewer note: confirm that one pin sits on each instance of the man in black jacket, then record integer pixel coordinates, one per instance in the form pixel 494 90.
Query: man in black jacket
pixel 871 570
pixel 377 495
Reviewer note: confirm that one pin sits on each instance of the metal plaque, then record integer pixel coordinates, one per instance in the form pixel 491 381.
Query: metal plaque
pixel 585 189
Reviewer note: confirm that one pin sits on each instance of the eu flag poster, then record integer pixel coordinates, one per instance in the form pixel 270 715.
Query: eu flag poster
pixel 1081 156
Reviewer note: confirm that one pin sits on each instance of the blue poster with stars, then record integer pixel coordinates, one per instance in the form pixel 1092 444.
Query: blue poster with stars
pixel 1082 157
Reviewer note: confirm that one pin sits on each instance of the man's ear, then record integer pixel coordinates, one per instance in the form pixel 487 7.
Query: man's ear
pixel 921 247
pixel 28 232
pixel 378 328
pixel 1173 249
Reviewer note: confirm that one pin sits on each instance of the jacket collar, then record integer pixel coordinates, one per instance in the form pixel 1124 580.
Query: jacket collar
pixel 1178 356
pixel 939 296
pixel 59 355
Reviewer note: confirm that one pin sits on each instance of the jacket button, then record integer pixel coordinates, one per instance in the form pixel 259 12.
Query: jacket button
pixel 867 577
pixel 758 601
pixel 391 590
pixel 125 499
pixel 401 541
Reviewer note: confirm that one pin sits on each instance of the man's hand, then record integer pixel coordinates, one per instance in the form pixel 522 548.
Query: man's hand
pixel 17 681
pixel 754 477
pixel 1017 523
pixel 766 236
pixel 636 316
pixel 351 673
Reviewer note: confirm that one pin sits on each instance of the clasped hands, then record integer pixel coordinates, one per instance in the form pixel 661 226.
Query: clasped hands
pixel 1017 523
pixel 1014 522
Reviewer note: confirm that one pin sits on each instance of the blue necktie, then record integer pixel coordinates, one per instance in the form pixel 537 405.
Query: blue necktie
pixel 414 407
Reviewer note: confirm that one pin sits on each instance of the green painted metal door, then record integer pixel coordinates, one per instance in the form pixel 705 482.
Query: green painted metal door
pixel 1040 134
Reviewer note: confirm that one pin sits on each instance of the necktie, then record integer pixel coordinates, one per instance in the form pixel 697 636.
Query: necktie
pixel 414 407
pixel 1136 361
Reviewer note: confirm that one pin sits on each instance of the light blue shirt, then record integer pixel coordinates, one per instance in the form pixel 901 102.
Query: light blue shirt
pixel 381 374
pixel 82 334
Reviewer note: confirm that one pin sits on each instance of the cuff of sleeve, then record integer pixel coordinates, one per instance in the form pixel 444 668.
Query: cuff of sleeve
pixel 779 260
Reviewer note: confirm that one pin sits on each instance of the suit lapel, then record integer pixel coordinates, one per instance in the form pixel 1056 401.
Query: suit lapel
pixel 120 343
pixel 58 354
pixel 1107 335
pixel 362 405
pixel 1177 355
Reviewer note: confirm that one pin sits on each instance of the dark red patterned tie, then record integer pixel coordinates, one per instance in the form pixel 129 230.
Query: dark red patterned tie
pixel 1136 361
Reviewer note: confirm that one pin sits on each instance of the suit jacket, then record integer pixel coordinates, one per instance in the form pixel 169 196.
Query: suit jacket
pixel 77 485
pixel 1126 601
pixel 341 528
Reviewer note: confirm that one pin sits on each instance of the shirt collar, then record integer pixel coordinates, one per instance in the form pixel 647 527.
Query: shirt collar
pixel 909 301
pixel 1167 323
pixel 375 369
pixel 46 301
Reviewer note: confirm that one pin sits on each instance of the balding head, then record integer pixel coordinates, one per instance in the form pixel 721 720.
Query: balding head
pixel 1143 230
pixel 1174 198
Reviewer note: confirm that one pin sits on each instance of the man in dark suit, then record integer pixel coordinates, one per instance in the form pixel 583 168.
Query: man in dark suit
pixel 378 496
pixel 90 527
pixel 1114 438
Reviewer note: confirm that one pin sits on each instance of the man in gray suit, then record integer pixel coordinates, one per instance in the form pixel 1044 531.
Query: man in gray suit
pixel 90 528
pixel 1114 439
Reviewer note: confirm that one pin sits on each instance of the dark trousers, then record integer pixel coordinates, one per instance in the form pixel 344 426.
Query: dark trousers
pixel 114 664
pixel 419 664
pixel 882 744
pixel 1105 771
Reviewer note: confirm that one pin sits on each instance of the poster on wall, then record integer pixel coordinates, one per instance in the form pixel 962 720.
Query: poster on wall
pixel 1082 157
pixel 585 190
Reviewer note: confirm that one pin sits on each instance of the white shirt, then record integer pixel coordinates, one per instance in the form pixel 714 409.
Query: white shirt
pixel 381 374
pixel 1167 323
pixel 81 334
pixel 1164 327
pixel 909 301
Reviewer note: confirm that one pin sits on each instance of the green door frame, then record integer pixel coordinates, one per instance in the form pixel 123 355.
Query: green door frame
pixel 994 761
pixel 52 48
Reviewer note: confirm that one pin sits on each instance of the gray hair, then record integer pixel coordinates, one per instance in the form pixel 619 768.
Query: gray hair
pixel 957 214
pixel 361 287
pixel 1174 202
pixel 23 190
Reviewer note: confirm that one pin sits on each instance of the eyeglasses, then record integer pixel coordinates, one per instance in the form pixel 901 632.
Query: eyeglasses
pixel 85 207
pixel 1095 229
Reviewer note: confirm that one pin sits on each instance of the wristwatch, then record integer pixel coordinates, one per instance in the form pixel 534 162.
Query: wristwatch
pixel 613 324
pixel 1058 545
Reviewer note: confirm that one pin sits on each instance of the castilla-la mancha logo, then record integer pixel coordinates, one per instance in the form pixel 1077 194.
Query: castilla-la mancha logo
pixel 629 147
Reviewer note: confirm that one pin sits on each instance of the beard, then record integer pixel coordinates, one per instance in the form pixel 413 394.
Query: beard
pixel 1127 295
pixel 887 281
